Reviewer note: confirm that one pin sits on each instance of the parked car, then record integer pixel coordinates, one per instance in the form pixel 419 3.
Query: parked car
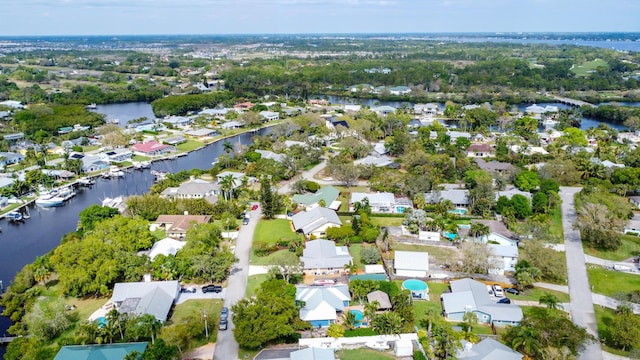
pixel 212 288
pixel 189 289
pixel 254 207
pixel 223 324
pixel 504 301
pixel 224 313
pixel 245 221
pixel 513 291
pixel 242 215
pixel 497 290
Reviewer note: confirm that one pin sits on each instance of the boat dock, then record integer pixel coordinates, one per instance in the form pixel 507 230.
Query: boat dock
pixel 7 339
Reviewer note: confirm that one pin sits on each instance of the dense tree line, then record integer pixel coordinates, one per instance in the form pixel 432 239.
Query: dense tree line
pixel 50 118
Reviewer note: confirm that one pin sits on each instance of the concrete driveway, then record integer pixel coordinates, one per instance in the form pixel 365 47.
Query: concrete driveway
pixel 200 295
pixel 226 345
pixel 582 311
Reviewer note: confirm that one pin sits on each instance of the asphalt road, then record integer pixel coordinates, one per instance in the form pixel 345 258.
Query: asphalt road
pixel 582 311
pixel 226 345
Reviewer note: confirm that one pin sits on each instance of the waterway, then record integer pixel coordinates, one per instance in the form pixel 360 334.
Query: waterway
pixel 584 124
pixel 615 45
pixel 22 242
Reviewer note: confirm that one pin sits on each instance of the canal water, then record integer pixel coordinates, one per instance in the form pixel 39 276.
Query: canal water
pixel 21 243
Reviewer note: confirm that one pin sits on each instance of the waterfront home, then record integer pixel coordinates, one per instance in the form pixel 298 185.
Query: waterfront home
pixel 92 163
pixel 174 140
pixel 399 90
pixel 377 161
pixel 202 133
pixel 103 351
pixel 322 305
pixel 194 189
pixel 352 107
pixel 266 154
pixel 176 226
pixel 231 125
pixel 152 148
pixel 537 110
pixel 361 88
pixel 411 264
pixel 321 257
pixel 117 155
pixel 178 121
pixel 6 182
pixel 428 109
pixel 315 221
pixel 219 113
pixel 269 115
pixel 384 110
pixel 146 297
pixel 469 295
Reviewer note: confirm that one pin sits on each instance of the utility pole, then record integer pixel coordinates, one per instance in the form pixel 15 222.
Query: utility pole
pixel 206 327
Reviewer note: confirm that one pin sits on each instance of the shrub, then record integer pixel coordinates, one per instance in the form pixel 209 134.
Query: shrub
pixel 370 255
pixel 418 355
pixel 370 235
pixel 263 249
pixel 311 186
pixel 360 332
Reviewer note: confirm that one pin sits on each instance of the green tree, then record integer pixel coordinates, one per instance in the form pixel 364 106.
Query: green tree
pixel 335 331
pixel 521 206
pixel 625 328
pixel 540 203
pixel 47 318
pixel 95 214
pixel 470 320
pixel 387 323
pixel 550 300
pixel 598 226
pixel 527 180
pixel 227 184
pixel 269 200
pixel 370 255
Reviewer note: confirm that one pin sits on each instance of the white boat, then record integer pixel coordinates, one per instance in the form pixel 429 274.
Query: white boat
pixel 113 172
pixel 66 193
pixel 141 165
pixel 50 199
pixel 116 203
pixel 14 216
pixel 86 181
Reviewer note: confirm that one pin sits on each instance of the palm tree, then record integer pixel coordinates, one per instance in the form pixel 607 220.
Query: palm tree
pixel 550 300
pixel 479 230
pixel 349 320
pixel 526 340
pixel 227 146
pixel 470 319
pixel 227 183
pixel 351 268
pixel 370 309
pixel 388 323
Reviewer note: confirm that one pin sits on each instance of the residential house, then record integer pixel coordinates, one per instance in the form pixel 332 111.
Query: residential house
pixel 266 154
pixel 315 221
pixel 174 140
pixel 233 124
pixel 608 164
pixel 495 167
pixel 505 257
pixel 470 107
pixel 498 233
pixel 244 106
pixel 428 109
pixel 116 351
pixel 380 149
pixel 166 247
pixel 377 161
pixel 458 197
pixel 322 257
pixel 635 200
pixel 218 113
pixel 13 138
pixel 92 163
pixel 269 115
pixel 313 353
pixel 384 303
pixel 238 178
pixel 361 88
pixel 353 108
pixel 117 155
pixel 411 264
pixel 5 182
pixel 176 226
pixel 194 189
pixel 290 143
pixel 384 110
pixel 480 151
pixel 152 148
pixel 468 295
pixel 381 202
pixel 399 90
pixel 69 144
pixel 454 135
pixel 327 194
pixel 508 193
pixel 487 349
pixel 12 104
pixel 202 133
pixel 537 110
pixel 147 297
pixel 10 158
pixel 322 305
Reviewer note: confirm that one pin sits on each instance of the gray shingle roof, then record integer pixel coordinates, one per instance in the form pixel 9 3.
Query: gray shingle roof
pixel 470 295
pixel 308 221
pixel 154 297
pixel 324 254
pixel 488 349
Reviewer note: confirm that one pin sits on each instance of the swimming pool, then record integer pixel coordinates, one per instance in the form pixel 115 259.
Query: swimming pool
pixel 450 236
pixel 102 321
pixel 464 226
pixel 359 317
pixel 458 211
pixel 415 285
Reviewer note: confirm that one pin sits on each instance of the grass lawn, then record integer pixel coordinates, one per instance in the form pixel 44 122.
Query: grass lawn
pixel 556 223
pixel 420 307
pixel 604 319
pixel 139 158
pixel 270 231
pixel 387 221
pixel 630 247
pixel 190 145
pixel 437 254
pixel 266 260
pixel 535 293
pixel 608 282
pixel 354 250
pixel 586 68
pixel 197 307
pixel 363 354
pixel 254 283
pixel 90 148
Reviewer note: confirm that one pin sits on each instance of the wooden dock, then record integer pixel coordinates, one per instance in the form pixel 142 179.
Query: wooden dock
pixel 6 339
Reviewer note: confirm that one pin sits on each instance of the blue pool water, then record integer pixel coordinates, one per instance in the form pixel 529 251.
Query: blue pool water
pixel 458 211
pixel 414 285
pixel 359 317
pixel 102 321
pixel 450 236
pixel 464 226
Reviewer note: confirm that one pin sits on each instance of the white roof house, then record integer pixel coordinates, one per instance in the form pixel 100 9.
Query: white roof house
pixel 269 115
pixel 166 247
pixel 322 303
pixel 411 263
pixel 266 154
pixel 509 193
pixel 315 221
pixel 487 349
pixel 505 257
pixel 324 254
pixel 12 104
pixel 313 353
pixel 152 297
pixel 377 161
pixel 459 197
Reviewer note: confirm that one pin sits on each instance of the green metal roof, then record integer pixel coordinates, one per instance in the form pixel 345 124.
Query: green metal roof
pixel 99 352
pixel 327 193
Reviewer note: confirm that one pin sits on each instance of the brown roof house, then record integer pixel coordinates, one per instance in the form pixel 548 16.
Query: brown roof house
pixel 480 151
pixel 176 226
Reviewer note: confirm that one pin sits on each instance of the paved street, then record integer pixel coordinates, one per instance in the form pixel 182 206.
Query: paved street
pixel 579 289
pixel 226 346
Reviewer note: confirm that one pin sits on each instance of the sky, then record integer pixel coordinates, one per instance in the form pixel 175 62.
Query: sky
pixel 139 17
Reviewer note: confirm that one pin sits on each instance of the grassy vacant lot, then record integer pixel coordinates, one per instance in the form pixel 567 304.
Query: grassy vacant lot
pixel 387 221
pixel 254 283
pixel 437 254
pixel 363 354
pixel 265 260
pixel 535 293
pixel 630 247
pixel 604 319
pixel 270 231
pixel 586 68
pixel 556 223
pixel 190 145
pixel 608 282
pixel 197 308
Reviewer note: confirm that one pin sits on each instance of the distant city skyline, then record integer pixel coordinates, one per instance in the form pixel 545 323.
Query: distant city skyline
pixel 149 17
